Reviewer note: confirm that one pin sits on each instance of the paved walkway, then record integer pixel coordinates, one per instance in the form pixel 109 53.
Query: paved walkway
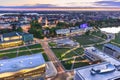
pixel 51 56
pixel 62 73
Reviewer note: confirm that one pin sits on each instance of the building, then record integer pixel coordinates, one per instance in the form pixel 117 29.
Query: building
pixel 92 57
pixel 63 31
pixel 104 71
pixel 15 39
pixel 50 70
pixel 112 50
pixel 5 26
pixel 25 27
pixel 66 42
pixel 30 67
pixel 108 70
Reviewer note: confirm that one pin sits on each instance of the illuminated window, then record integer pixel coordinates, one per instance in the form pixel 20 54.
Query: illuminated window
pixel 6 39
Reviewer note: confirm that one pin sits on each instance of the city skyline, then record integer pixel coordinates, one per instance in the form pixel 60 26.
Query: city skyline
pixel 61 3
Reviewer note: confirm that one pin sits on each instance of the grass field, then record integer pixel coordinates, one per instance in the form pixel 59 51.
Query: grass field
pixel 87 39
pixel 61 53
pixel 33 49
pixel 100 46
pixel 117 38
pixel 68 59
pixel 99 34
pixel 52 44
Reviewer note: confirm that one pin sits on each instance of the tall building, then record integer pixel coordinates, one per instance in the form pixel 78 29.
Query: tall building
pixel 112 50
pixel 15 39
pixel 31 67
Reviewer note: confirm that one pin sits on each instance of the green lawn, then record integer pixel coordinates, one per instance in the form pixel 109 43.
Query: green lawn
pixel 67 64
pixel 117 38
pixel 87 39
pixel 68 59
pixel 10 50
pixel 100 46
pixel 99 34
pixel 52 44
pixel 80 51
pixel 45 57
pixel 35 46
pixel 11 53
pixel 60 53
pixel 80 64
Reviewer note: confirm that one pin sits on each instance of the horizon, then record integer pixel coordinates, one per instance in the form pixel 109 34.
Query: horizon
pixel 61 9
pixel 62 3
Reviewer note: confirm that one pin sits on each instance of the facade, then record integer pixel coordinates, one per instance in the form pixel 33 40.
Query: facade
pixel 62 31
pixel 108 70
pixel 15 39
pixel 112 50
pixel 31 67
pixel 66 42
pixel 92 57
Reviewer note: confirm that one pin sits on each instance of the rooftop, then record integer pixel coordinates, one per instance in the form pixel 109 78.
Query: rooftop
pixel 103 71
pixel 11 34
pixel 85 73
pixel 112 47
pixel 103 55
pixel 23 62
pixel 66 41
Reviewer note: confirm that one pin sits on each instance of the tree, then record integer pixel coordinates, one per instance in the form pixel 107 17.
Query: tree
pixel 62 25
pixel 35 24
pixel 87 32
pixel 14 25
pixel 19 29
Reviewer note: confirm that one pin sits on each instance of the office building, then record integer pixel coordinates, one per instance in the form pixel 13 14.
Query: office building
pixel 108 70
pixel 112 50
pixel 30 67
pixel 15 39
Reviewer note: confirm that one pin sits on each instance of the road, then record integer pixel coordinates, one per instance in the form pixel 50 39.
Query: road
pixel 62 74
pixel 51 55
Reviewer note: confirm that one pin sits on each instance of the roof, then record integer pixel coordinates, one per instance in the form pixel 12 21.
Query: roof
pixel 85 73
pixel 11 34
pixel 65 41
pixel 103 55
pixel 107 72
pixel 99 70
pixel 113 47
pixel 19 63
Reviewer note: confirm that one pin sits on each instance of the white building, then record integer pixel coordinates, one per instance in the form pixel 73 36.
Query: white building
pixel 108 70
pixel 66 42
pixel 63 31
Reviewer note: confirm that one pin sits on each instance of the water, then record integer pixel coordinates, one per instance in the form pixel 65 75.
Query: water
pixel 111 29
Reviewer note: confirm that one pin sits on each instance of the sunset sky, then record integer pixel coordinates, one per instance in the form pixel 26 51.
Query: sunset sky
pixel 63 3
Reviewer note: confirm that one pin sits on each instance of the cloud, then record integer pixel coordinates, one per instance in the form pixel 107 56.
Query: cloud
pixel 43 5
pixel 108 3
pixel 31 6
pixel 71 3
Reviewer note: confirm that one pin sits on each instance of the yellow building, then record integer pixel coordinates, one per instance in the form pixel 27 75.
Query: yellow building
pixel 14 39
pixel 30 67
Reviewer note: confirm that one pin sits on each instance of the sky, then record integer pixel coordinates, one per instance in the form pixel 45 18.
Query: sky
pixel 62 3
